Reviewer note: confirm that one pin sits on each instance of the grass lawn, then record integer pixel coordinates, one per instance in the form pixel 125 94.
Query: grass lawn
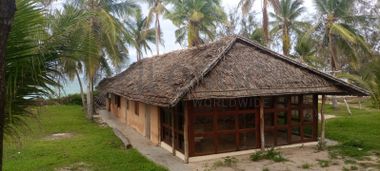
pixel 93 146
pixel 358 133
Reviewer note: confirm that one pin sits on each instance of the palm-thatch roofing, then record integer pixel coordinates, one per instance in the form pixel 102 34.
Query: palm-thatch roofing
pixel 231 67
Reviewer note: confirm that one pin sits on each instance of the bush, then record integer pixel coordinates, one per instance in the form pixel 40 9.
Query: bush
pixel 72 99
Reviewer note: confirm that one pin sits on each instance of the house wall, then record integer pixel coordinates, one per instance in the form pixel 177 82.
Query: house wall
pixel 126 114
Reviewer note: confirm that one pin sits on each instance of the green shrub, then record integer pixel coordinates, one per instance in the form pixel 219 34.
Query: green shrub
pixel 257 156
pixel 72 99
pixel 270 154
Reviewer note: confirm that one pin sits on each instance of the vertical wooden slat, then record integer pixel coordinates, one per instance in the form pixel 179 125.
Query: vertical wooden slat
pixel 301 110
pixel 159 125
pixel 173 133
pixel 323 124
pixel 186 132
pixel 315 117
pixel 289 119
pixel 262 136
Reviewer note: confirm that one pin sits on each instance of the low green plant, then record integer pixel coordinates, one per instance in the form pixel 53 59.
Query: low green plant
pixel 257 156
pixel 226 162
pixel 351 148
pixel 349 161
pixel 265 169
pixel 230 161
pixel 333 154
pixel 354 168
pixel 270 154
pixel 306 166
pixel 323 163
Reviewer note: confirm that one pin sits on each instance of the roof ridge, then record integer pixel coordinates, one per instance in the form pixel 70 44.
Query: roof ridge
pixel 207 69
pixel 315 71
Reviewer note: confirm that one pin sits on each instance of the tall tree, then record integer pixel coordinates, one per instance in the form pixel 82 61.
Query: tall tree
pixel 105 35
pixel 246 6
pixel 7 11
pixel 157 9
pixel 196 20
pixel 285 21
pixel 141 34
pixel 336 28
pixel 63 26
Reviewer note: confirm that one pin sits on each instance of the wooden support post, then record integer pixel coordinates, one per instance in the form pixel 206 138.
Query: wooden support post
pixel 347 106
pixel 262 136
pixel 159 125
pixel 322 141
pixel 173 136
pixel 186 133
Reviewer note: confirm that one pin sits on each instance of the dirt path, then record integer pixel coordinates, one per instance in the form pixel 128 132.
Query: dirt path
pixel 305 158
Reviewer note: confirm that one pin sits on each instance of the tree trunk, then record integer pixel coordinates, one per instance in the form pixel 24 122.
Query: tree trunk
pixel 81 91
pixel 262 133
pixel 138 56
pixel 90 98
pixel 265 23
pixel 158 33
pixel 333 54
pixel 322 141
pixel 7 11
pixel 285 40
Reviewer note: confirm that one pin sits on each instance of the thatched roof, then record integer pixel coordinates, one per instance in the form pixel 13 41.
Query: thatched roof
pixel 231 67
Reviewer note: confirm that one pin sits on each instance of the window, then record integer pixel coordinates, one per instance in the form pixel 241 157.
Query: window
pixel 137 108
pixel 117 100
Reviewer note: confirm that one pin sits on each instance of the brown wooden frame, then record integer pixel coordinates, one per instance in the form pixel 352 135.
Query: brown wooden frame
pixel 216 132
pixel 289 126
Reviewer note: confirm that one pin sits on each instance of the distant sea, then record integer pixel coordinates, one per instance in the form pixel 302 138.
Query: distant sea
pixel 72 87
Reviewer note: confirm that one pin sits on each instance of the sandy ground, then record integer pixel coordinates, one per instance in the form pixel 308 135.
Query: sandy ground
pixel 300 158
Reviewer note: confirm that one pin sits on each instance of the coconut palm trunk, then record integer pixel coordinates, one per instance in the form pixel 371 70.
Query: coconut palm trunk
pixel 265 22
pixel 81 90
pixel 285 40
pixel 333 55
pixel 158 32
pixel 7 11
pixel 193 35
pixel 90 98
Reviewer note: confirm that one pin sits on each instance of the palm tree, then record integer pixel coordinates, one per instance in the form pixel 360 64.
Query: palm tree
pixel 141 34
pixel 196 20
pixel 104 35
pixel 67 39
pixel 7 11
pixel 157 8
pixel 246 6
pixel 337 32
pixel 369 78
pixel 285 21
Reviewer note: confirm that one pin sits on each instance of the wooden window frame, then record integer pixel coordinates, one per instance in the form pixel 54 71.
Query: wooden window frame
pixel 215 112
pixel 215 133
